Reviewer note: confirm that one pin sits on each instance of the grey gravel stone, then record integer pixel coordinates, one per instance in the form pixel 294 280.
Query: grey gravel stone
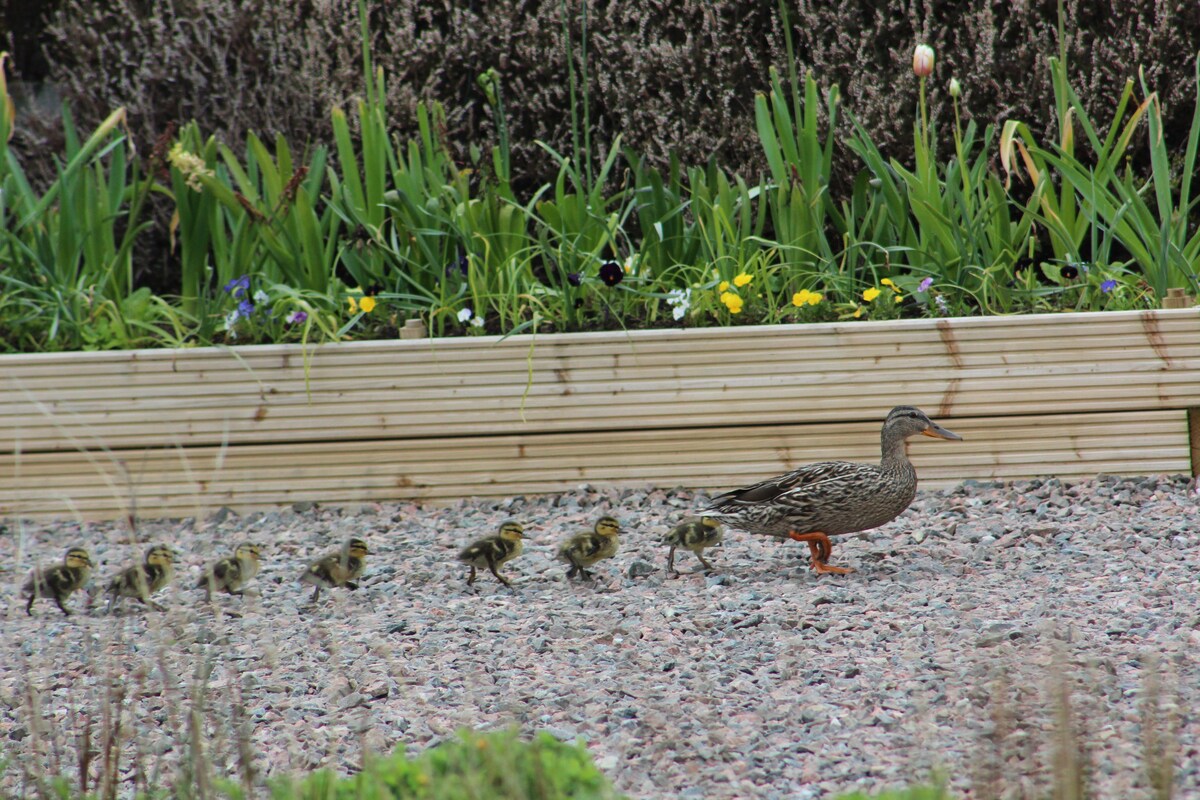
pixel 762 680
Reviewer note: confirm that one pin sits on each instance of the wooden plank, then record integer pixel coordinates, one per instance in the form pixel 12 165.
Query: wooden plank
pixel 196 480
pixel 643 379
pixel 1193 417
pixel 361 419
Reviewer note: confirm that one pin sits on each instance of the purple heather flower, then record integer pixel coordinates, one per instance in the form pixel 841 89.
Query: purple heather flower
pixel 611 273
pixel 1108 286
pixel 238 286
pixel 925 284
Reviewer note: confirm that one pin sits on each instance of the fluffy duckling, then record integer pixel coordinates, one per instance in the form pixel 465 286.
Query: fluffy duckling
pixel 231 574
pixel 341 568
pixel 494 551
pixel 59 581
pixel 695 534
pixel 590 547
pixel 142 580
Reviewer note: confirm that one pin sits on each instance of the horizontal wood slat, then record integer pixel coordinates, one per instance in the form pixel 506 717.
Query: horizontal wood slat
pixel 195 481
pixel 435 419
pixel 648 379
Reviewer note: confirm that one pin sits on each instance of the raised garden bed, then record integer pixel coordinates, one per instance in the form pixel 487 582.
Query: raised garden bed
pixel 182 432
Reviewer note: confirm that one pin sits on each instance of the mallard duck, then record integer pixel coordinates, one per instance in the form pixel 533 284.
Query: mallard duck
pixel 59 581
pixel 695 534
pixel 340 568
pixel 142 580
pixel 589 547
pixel 232 573
pixel 830 498
pixel 493 551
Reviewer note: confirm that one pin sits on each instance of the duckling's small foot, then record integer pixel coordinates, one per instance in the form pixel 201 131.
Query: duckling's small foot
pixel 471 577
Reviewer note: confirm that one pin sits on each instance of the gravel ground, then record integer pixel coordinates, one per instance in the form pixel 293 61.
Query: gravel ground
pixel 948 649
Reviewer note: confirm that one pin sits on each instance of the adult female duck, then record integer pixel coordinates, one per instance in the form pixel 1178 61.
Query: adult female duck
pixel 831 498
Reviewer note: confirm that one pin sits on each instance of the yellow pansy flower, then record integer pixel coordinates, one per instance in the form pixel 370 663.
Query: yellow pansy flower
pixel 742 279
pixel 367 304
pixel 858 312
pixel 899 298
pixel 732 302
pixel 871 294
pixel 806 298
pixel 353 304
pixel 723 287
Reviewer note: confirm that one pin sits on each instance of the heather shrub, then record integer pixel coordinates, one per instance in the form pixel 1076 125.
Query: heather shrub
pixel 672 76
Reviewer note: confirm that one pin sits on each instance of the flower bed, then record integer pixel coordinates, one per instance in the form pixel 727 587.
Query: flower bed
pixel 182 432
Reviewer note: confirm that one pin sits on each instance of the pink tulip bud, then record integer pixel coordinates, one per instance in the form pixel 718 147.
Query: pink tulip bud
pixel 923 61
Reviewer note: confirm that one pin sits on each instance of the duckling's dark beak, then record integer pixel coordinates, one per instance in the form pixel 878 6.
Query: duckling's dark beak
pixel 935 431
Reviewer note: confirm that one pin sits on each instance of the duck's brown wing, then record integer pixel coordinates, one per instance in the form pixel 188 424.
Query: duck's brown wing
pixel 771 490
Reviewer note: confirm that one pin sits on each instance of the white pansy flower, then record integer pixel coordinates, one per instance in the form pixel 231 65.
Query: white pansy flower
pixel 465 314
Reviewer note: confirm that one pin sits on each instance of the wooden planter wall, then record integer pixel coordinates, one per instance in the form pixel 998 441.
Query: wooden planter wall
pixel 188 431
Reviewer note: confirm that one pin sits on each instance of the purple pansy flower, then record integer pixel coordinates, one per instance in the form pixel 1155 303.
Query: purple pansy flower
pixel 1108 286
pixel 238 286
pixel 611 273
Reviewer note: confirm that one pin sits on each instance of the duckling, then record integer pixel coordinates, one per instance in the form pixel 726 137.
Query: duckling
pixel 589 547
pixel 494 551
pixel 695 534
pixel 142 580
pixel 341 568
pixel 232 573
pixel 59 581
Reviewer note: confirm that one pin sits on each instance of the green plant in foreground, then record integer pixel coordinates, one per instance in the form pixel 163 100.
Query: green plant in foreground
pixel 491 765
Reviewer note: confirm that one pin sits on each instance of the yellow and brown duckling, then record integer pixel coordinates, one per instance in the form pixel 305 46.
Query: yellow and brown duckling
pixel 142 580
pixel 231 573
pixel 494 551
pixel 695 534
pixel 587 548
pixel 831 498
pixel 60 581
pixel 340 568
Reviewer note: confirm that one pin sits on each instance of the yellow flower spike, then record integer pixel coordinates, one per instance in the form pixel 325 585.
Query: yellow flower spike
pixel 723 287
pixel 367 304
pixel 742 279
pixel 353 305
pixel 871 294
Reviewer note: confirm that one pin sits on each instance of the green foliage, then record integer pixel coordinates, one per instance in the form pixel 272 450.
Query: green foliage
pixel 278 243
pixel 917 793
pixel 491 765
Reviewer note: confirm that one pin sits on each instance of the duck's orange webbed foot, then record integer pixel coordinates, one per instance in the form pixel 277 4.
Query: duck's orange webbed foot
pixel 820 548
